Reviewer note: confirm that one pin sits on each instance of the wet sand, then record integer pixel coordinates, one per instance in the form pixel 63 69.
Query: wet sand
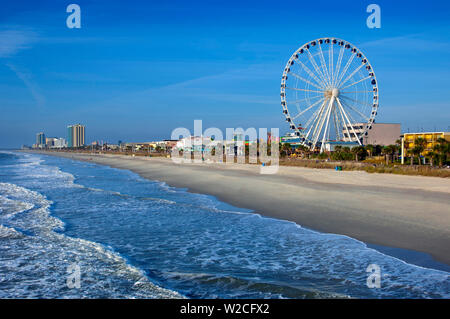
pixel 409 212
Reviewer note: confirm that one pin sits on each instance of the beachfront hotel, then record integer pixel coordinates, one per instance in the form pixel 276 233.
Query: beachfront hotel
pixel 75 135
pixel 431 139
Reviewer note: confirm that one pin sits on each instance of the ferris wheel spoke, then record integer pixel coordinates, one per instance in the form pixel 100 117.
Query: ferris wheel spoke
pixel 310 123
pixel 316 67
pixel 340 119
pixel 305 80
pixel 363 79
pixel 308 108
pixel 364 117
pixel 338 64
pixel 355 101
pixel 319 125
pixel 346 92
pixel 305 90
pixel 311 73
pixel 351 75
pixel 326 131
pixel 314 118
pixel 345 69
pixel 336 124
pixel 324 66
pixel 307 99
pixel 331 62
pixel 345 114
pixel 350 116
pixel 344 126
pixel 314 132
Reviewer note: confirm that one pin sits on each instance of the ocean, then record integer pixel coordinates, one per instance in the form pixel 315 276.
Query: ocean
pixel 129 237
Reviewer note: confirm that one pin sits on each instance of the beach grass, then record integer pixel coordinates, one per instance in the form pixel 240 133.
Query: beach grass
pixel 420 170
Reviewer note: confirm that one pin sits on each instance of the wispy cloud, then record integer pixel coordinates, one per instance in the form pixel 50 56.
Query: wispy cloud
pixel 13 41
pixel 418 42
pixel 218 87
pixel 27 79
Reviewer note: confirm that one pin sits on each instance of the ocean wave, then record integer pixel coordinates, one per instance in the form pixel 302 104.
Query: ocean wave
pixel 241 287
pixel 9 232
pixel 9 207
pixel 106 273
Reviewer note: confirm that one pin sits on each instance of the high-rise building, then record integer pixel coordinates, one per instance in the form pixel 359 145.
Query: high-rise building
pixel 75 135
pixel 70 136
pixel 40 139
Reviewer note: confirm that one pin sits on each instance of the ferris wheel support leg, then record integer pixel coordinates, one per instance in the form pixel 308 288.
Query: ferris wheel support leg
pixel 330 107
pixel 344 125
pixel 351 126
pixel 317 124
pixel 322 121
pixel 336 127
pixel 318 116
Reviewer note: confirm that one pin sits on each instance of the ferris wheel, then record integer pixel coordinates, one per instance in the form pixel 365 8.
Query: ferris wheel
pixel 329 92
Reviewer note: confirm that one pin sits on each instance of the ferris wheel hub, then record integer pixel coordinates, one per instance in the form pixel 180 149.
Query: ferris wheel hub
pixel 331 93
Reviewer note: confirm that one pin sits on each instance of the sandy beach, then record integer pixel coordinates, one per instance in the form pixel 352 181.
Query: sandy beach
pixel 409 212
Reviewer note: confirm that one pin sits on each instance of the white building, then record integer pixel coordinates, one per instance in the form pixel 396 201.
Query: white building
pixel 194 143
pixel 59 143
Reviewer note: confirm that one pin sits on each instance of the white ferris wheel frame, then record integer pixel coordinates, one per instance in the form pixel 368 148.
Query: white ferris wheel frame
pixel 327 80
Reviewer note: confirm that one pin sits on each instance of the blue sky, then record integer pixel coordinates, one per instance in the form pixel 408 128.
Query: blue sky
pixel 138 69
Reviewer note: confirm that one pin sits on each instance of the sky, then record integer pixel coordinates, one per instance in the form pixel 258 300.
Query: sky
pixel 136 70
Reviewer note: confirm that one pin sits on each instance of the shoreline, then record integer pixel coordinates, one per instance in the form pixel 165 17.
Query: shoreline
pixel 412 213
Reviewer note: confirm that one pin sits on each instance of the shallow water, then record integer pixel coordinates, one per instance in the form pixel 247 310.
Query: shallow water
pixel 134 238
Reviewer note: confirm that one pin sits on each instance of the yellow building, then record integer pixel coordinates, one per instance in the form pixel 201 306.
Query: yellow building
pixel 429 137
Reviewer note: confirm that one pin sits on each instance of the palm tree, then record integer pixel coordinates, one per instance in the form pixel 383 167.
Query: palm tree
pixel 442 149
pixel 432 155
pixel 410 152
pixel 419 147
pixel 385 151
pixel 304 150
pixel 417 150
pixel 359 151
pixel 390 151
pixel 286 148
pixel 370 148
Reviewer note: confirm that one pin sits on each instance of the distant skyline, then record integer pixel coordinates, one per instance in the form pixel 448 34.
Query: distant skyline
pixel 137 70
